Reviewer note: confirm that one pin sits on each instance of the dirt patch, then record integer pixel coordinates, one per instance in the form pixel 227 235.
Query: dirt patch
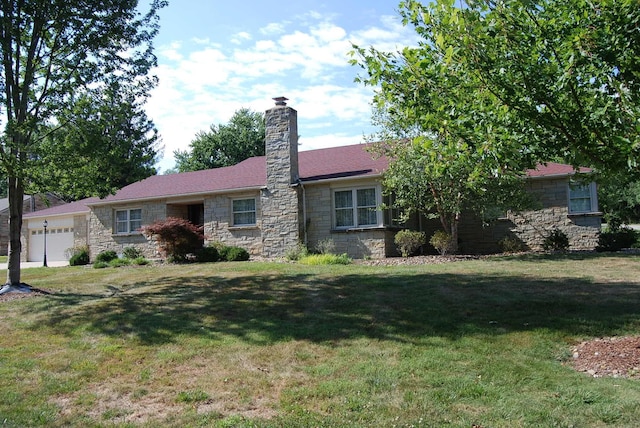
pixel 15 295
pixel 417 260
pixel 608 357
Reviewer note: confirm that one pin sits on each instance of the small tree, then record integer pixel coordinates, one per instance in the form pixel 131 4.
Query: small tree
pixel 409 241
pixel 176 237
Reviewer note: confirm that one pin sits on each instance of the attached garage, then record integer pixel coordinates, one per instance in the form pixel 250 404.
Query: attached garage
pixel 59 239
pixel 66 227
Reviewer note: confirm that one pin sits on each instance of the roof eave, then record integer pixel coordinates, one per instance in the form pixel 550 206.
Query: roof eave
pixel 340 179
pixel 183 195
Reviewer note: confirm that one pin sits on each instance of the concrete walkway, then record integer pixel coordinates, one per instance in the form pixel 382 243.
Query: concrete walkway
pixel 27 265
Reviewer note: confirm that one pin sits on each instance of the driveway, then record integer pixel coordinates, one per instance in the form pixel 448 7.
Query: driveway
pixel 27 265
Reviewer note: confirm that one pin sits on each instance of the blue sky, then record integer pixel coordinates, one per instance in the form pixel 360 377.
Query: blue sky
pixel 215 57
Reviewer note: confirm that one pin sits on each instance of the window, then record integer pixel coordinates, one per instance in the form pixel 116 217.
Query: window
pixel 128 221
pixel 244 212
pixel 582 198
pixel 355 208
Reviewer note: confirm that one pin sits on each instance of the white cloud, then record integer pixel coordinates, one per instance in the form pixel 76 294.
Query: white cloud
pixel 240 38
pixel 273 28
pixel 205 83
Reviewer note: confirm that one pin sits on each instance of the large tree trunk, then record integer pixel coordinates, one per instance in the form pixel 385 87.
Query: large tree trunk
pixel 16 197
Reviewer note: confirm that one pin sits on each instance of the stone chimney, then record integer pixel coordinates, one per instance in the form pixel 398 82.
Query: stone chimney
pixel 281 200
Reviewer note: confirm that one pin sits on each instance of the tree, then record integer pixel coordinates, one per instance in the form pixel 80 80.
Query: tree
pixel 451 147
pixel 53 53
pixel 176 237
pixel 568 71
pixel 112 140
pixel 225 145
pixel 619 200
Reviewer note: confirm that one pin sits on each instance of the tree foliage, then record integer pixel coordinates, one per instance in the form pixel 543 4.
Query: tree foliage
pixel 54 53
pixel 451 146
pixel 225 145
pixel 493 87
pixel 176 237
pixel 568 71
pixel 112 140
pixel 619 200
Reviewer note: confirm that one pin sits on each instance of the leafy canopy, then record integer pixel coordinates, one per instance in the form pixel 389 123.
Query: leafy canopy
pixel 449 139
pixel 225 145
pixel 56 56
pixel 568 71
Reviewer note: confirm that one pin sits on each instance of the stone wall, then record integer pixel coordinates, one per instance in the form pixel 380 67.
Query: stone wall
pixel 80 231
pixel 530 227
pixel 102 234
pixel 218 226
pixel 357 243
pixel 281 221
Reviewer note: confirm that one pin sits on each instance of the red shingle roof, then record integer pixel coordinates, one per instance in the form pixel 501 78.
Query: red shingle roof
pixel 322 164
pixel 552 169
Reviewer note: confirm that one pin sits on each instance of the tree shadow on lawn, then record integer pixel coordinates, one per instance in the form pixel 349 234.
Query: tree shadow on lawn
pixel 271 308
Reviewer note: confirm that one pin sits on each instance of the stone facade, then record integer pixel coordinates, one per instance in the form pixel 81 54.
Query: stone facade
pixel 218 226
pixel 357 243
pixel 529 227
pixel 532 227
pixel 281 199
pixel 102 234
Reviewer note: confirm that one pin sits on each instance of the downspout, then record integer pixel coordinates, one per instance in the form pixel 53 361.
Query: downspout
pixel 304 212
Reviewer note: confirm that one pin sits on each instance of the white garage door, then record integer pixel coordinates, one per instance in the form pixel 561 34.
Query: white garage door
pixel 59 239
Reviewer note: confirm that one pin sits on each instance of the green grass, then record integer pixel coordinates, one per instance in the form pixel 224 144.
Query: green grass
pixel 285 345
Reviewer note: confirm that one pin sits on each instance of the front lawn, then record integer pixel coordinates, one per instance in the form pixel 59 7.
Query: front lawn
pixel 477 342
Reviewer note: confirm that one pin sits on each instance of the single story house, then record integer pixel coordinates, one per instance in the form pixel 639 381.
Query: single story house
pixel 271 203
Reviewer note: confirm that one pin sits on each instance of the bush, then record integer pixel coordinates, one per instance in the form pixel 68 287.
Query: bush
pixel 442 242
pixel 207 254
pixel 119 262
pixel 79 257
pixel 140 261
pixel 297 252
pixel 326 246
pixel 616 240
pixel 106 256
pixel 100 265
pixel 131 253
pixel 176 237
pixel 235 254
pixel 325 259
pixel 409 241
pixel 511 244
pixel 556 240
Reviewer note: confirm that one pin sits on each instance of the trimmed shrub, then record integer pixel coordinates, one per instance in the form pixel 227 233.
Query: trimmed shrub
pixel 176 237
pixel 556 240
pixel 207 254
pixel 236 254
pixel 325 259
pixel 511 244
pixel 131 253
pixel 409 241
pixel 79 257
pixel 106 256
pixel 442 242
pixel 616 240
